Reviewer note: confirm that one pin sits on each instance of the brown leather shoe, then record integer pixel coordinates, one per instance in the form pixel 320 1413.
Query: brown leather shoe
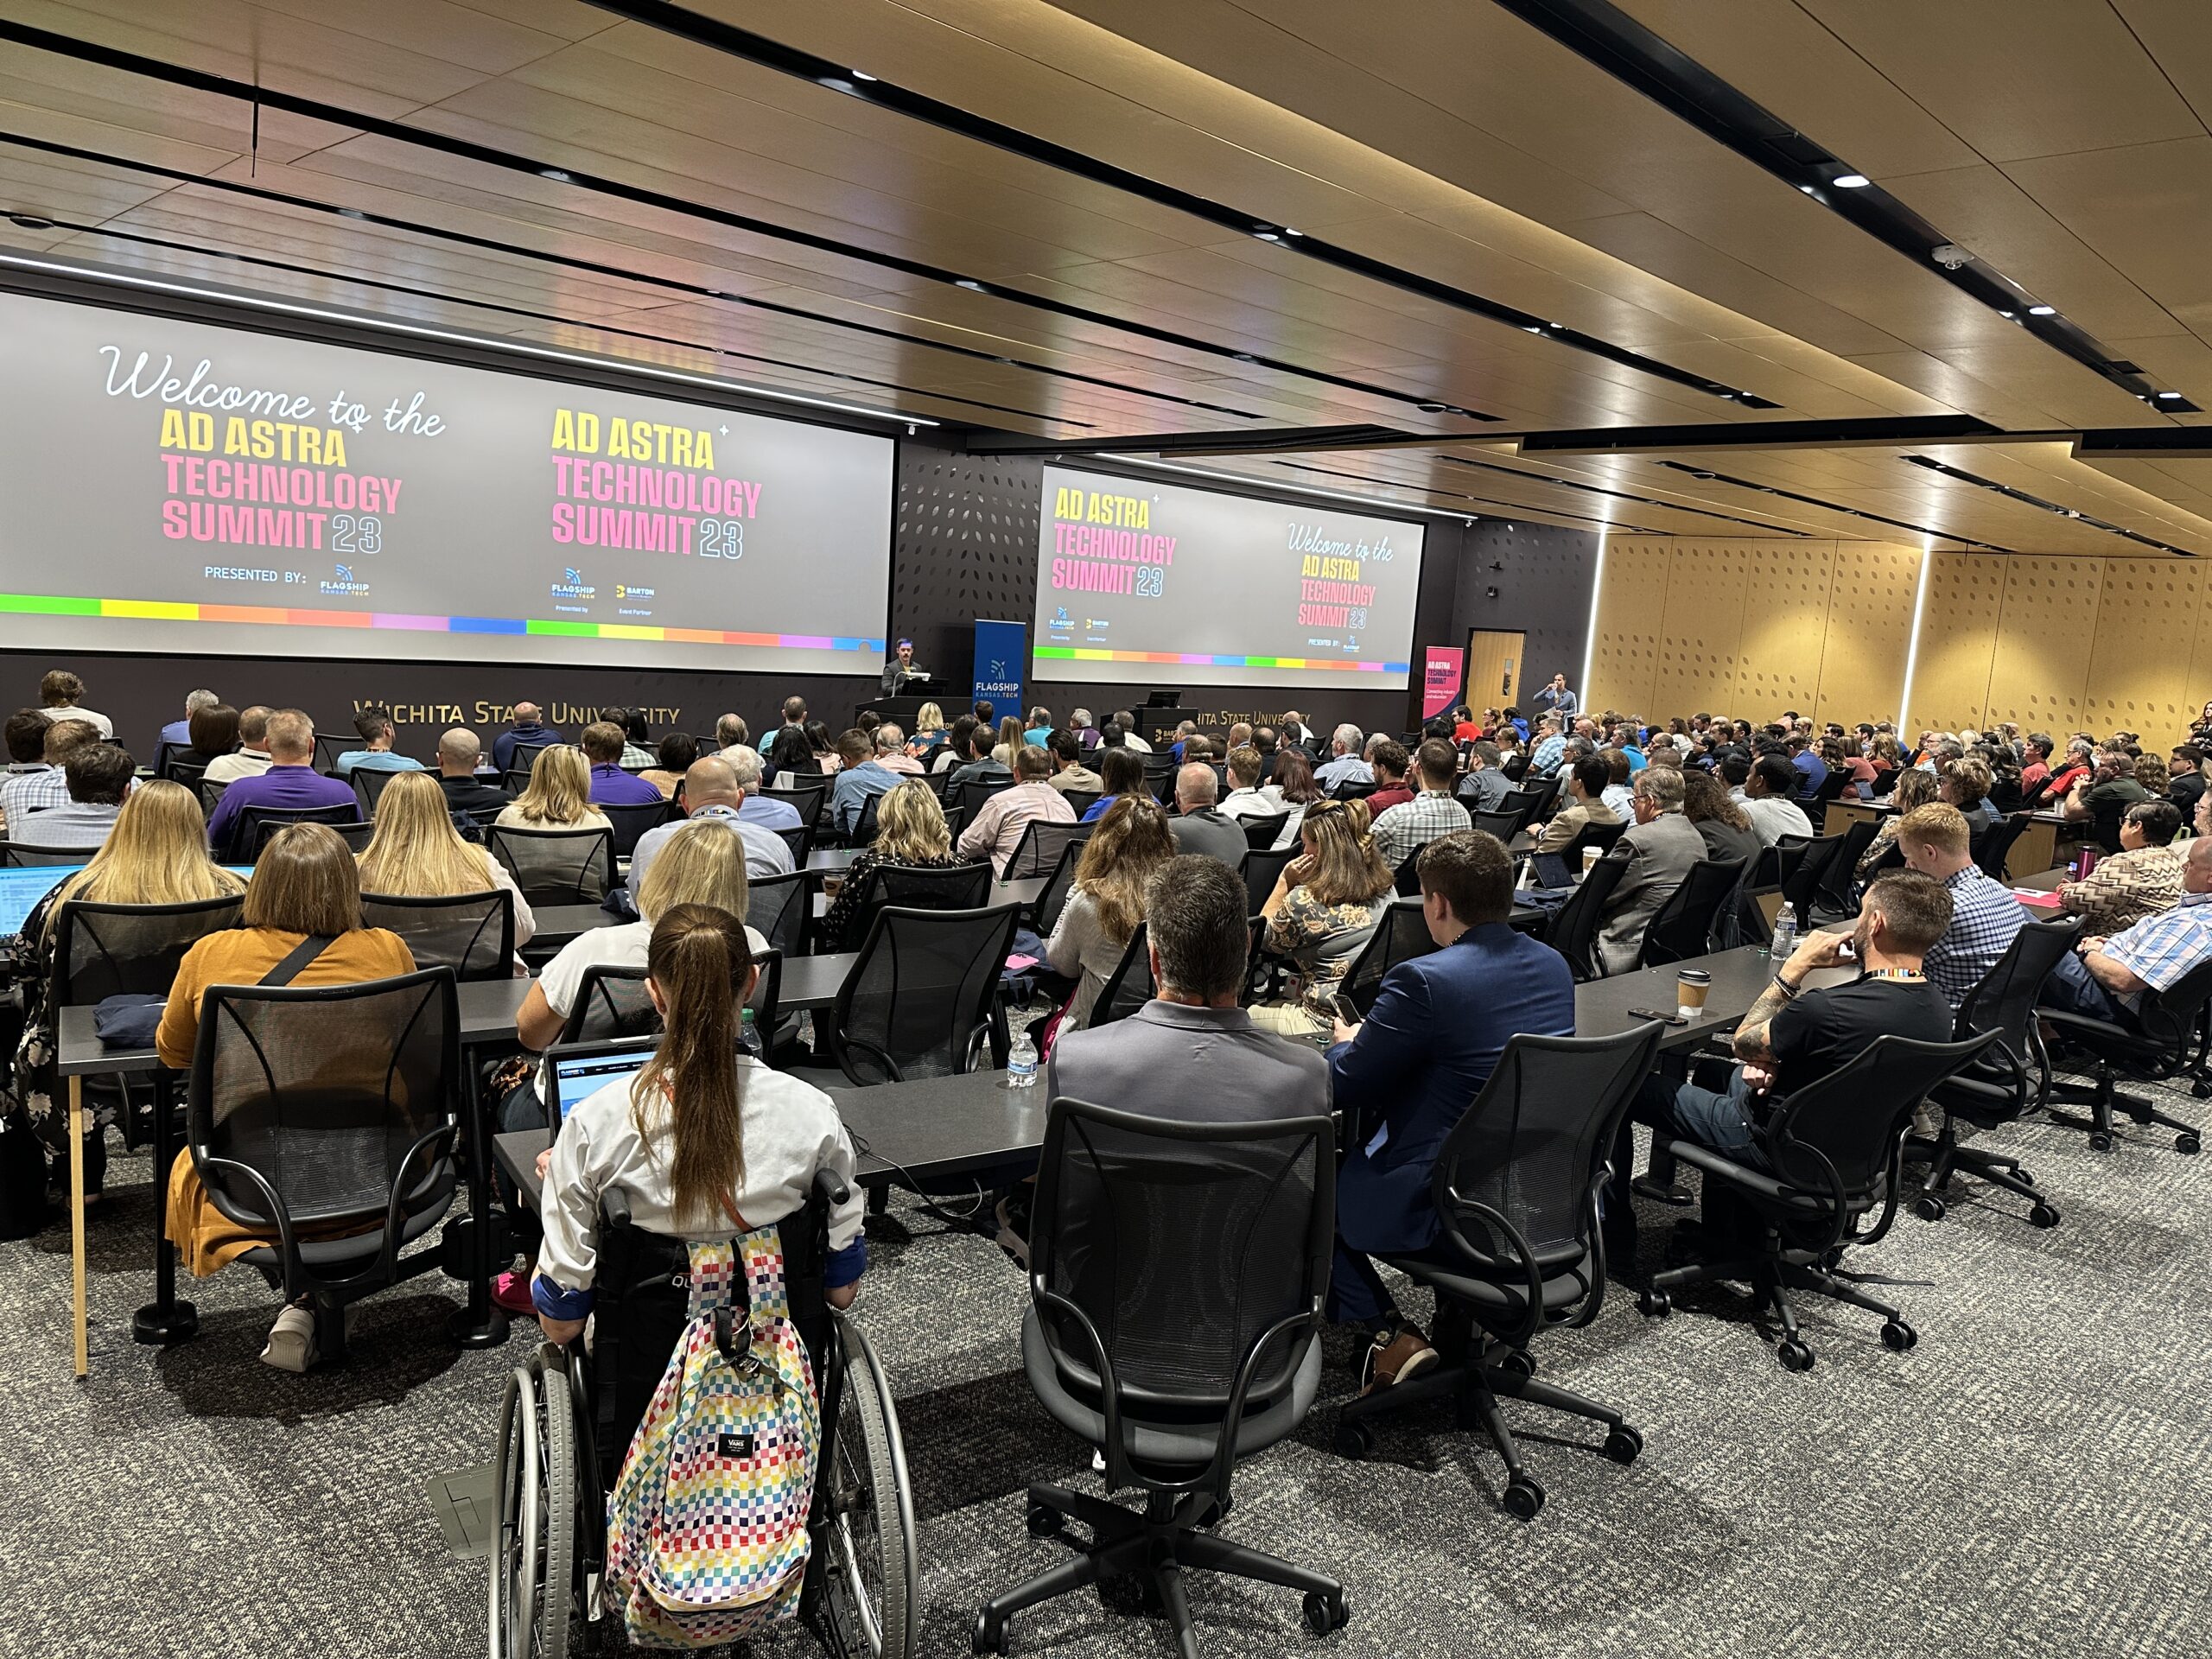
pixel 1393 1358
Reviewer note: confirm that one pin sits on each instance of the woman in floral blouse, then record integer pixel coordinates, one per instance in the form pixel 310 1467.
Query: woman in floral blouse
pixel 1324 907
pixel 910 835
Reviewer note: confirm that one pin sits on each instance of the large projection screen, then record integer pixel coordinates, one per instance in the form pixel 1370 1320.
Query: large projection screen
pixel 181 486
pixel 1140 581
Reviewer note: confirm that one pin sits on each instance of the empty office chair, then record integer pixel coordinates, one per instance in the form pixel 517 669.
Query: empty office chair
pixel 472 933
pixel 23 855
pixel 2158 1047
pixel 328 746
pixel 251 830
pixel 1039 848
pixel 1262 869
pixel 190 773
pixel 1524 803
pixel 1834 1148
pixel 1686 923
pixel 1994 846
pixel 1516 1188
pixel 1260 834
pixel 1406 880
pixel 1573 930
pixel 867 824
pixel 2012 1080
pixel 1349 790
pixel 211 797
pixel 369 783
pixel 631 819
pixel 1129 987
pixel 1802 887
pixel 556 866
pixel 525 756
pixel 919 998
pixel 1400 934
pixel 1176 1278
pixel 780 909
pixel 325 1114
pixel 1504 825
pixel 1838 893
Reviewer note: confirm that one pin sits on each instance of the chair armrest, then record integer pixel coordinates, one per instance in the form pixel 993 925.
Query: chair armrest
pixel 1448 1214
pixel 1110 1390
pixel 847 1046
pixel 1714 1163
pixel 388 1258
pixel 287 1243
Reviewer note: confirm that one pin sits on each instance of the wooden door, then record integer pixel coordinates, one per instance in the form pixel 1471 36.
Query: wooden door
pixel 1493 669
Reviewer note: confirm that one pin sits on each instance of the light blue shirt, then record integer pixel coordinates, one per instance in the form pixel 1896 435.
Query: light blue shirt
pixel 849 795
pixel 766 852
pixel 769 815
pixel 1345 769
pixel 375 760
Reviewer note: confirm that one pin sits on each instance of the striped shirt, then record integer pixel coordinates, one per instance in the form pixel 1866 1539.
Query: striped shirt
pixel 1404 830
pixel 1984 917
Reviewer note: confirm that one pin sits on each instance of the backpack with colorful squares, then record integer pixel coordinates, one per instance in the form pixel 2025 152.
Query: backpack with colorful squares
pixel 706 1528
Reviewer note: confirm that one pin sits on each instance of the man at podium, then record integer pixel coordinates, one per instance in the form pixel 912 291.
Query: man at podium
pixel 900 669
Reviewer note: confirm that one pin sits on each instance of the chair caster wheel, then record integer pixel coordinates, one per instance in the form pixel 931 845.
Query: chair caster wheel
pixel 1898 1335
pixel 1654 1304
pixel 1044 1521
pixel 2043 1215
pixel 1519 1364
pixel 1325 1614
pixel 2099 1141
pixel 990 1633
pixel 2201 1088
pixel 1795 1356
pixel 2187 1143
pixel 1354 1440
pixel 2025 1179
pixel 1928 1207
pixel 1623 1444
pixel 1524 1499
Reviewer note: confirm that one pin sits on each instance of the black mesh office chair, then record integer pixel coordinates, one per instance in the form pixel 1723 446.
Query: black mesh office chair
pixel 631 819
pixel 919 998
pixel 1173 1372
pixel 1995 845
pixel 1080 801
pixel 1262 869
pixel 1685 924
pixel 1837 894
pixel 2157 1047
pixel 1400 934
pixel 1573 930
pixel 1515 1187
pixel 1040 845
pixel 867 824
pixel 1503 824
pixel 1347 790
pixel 1058 885
pixel 958 886
pixel 967 799
pixel 472 933
pixel 1523 805
pixel 524 756
pixel 190 773
pixel 325 1115
pixel 805 799
pixel 1833 1152
pixel 556 866
pixel 211 797
pixel 23 855
pixel 1129 987
pixel 328 746
pixel 1600 836
pixel 800 843
pixel 1260 833
pixel 2104 824
pixel 251 829
pixel 780 909
pixel 611 1003
pixel 2012 1080
pixel 369 784
pixel 1801 889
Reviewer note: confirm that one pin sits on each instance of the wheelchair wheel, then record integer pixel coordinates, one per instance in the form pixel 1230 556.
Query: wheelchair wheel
pixel 532 1559
pixel 871 1573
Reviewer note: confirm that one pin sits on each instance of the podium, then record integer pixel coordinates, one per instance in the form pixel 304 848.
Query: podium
pixel 900 710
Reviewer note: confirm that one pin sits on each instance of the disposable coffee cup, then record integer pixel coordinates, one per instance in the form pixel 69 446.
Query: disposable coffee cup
pixel 1692 987
pixel 830 884
pixel 1590 857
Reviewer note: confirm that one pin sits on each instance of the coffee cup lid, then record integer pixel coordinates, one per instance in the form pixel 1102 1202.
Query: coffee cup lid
pixel 1697 975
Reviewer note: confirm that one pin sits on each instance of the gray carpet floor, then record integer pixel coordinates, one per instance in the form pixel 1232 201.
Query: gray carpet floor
pixel 2034 1478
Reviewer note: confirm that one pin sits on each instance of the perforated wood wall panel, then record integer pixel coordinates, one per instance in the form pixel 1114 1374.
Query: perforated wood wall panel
pixel 1958 639
pixel 2039 672
pixel 1704 621
pixel 1631 617
pixel 1785 627
pixel 2148 619
pixel 1869 632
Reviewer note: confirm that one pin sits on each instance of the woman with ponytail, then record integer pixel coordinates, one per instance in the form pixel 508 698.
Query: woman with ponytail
pixel 705 1141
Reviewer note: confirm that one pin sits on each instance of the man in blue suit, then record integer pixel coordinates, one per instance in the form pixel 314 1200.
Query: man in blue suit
pixel 1406 1075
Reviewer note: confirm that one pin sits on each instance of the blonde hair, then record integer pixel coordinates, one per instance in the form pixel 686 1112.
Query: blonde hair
pixel 306 882
pixel 560 788
pixel 416 852
pixel 703 863
pixel 1131 842
pixel 910 823
pixel 1937 826
pixel 1347 868
pixel 1922 786
pixel 929 718
pixel 156 854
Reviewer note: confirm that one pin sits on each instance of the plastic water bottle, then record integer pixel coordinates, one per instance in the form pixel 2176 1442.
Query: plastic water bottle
pixel 1021 1063
pixel 1785 936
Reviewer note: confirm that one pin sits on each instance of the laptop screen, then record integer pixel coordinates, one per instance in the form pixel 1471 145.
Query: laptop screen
pixel 20 890
pixel 580 1070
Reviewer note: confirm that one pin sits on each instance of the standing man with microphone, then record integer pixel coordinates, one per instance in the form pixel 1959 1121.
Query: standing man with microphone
pixel 898 672
pixel 1556 699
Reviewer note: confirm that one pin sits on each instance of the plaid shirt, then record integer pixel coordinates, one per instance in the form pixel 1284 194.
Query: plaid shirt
pixel 34 790
pixel 1404 829
pixel 2127 888
pixel 2165 950
pixel 1984 917
pixel 1548 754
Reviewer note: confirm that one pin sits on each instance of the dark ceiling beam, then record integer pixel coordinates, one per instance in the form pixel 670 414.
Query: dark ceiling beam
pixel 1874 432
pixel 1263 442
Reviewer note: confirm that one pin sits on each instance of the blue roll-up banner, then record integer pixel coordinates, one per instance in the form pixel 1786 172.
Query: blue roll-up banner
pixel 1002 650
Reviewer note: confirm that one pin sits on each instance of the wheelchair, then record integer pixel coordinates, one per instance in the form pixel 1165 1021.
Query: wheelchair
pixel 566 1422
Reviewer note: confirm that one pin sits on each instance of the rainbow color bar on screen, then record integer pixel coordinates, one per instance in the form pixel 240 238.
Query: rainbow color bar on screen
pixel 1194 660
pixel 155 610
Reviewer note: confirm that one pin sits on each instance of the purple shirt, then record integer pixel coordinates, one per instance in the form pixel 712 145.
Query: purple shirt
pixel 282 786
pixel 609 783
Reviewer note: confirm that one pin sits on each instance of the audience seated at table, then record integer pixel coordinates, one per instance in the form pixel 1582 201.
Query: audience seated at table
pixel 1132 844
pixel 1323 910
pixel 1199 826
pixel 416 853
pixel 892 753
pixel 750 772
pixel 558 795
pixel 602 742
pixel 376 755
pixel 1985 915
pixel 1298 788
pixel 291 782
pixel 1248 797
pixel 1405 1075
pixel 1120 770
pixel 910 834
pixel 1965 784
pixel 636 735
pixel 1720 819
pixel 1346 764
pixel 2110 784
pixel 2105 976
pixel 97 777
pixel 305 896
pixel 996 829
pixel 211 732
pixel 1584 805
pixel 62 696
pixel 704 1141
pixel 2141 880
pixel 251 757
pixel 176 736
pixel 1768 799
pixel 675 752
pixel 460 750
pixel 713 794
pixel 1658 850
pixel 33 786
pixel 860 775
pixel 1069 773
pixel 1403 830
pixel 826 756
pixel 1390 763
pixel 526 731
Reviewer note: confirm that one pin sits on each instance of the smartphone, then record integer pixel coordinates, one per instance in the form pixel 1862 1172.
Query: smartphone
pixel 1654 1014
pixel 1345 1012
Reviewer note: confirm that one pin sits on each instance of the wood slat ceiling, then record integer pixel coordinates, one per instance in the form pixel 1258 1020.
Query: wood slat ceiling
pixel 2062 141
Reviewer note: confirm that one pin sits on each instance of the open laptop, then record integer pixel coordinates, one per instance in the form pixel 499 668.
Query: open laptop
pixel 580 1070
pixel 22 889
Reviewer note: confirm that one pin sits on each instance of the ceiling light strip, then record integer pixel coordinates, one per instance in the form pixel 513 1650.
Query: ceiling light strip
pixel 2073 514
pixel 1706 473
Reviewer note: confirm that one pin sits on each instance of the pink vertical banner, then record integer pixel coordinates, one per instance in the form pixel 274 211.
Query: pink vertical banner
pixel 1439 685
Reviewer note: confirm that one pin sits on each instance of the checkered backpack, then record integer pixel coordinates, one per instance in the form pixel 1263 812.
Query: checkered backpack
pixel 707 1528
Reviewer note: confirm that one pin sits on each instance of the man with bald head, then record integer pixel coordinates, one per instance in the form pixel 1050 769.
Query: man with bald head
pixel 458 752
pixel 528 731
pixel 1198 825
pixel 711 792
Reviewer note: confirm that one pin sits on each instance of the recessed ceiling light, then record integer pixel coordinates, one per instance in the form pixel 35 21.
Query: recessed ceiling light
pixel 863 74
pixel 351 213
pixel 2007 316
pixel 1536 329
pixel 1288 231
pixel 1810 190
pixel 2043 310
pixel 2169 394
pixel 555 175
pixel 836 83
pixel 1445 408
pixel 31 221
pixel 1267 236
pixel 1851 182
pixel 970 284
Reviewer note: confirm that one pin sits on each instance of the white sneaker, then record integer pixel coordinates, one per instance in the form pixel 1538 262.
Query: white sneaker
pixel 1011 1241
pixel 291 1341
